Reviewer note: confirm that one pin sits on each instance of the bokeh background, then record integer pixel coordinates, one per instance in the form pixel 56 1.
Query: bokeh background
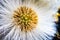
pixel 57 35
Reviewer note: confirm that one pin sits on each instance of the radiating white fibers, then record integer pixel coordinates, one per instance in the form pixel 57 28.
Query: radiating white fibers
pixel 45 29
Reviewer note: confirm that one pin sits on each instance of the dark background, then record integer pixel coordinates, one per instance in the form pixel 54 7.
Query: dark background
pixel 57 37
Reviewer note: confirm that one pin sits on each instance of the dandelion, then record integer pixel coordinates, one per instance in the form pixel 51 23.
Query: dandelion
pixel 27 19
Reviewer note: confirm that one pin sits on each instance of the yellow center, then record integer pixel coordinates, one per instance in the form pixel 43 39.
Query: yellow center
pixel 25 18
